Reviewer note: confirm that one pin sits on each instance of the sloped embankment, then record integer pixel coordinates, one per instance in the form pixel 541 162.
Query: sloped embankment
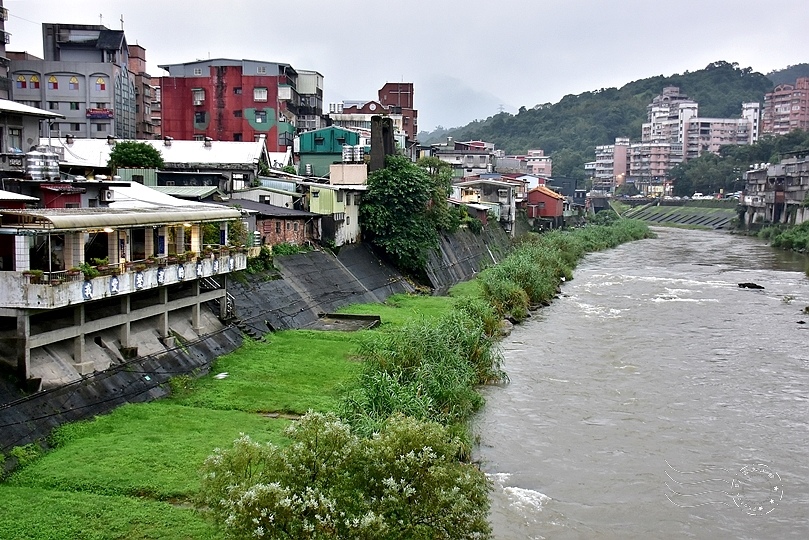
pixel 463 254
pixel 707 214
pixel 312 283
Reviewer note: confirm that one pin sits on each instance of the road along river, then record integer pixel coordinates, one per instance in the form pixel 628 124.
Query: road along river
pixel 655 398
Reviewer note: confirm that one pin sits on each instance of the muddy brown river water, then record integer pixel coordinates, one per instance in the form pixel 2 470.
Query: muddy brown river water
pixel 657 399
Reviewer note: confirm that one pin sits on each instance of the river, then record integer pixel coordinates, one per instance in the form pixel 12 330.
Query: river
pixel 655 398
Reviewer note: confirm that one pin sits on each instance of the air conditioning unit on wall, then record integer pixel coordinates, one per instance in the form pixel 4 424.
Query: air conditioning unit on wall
pixel 197 102
pixel 107 195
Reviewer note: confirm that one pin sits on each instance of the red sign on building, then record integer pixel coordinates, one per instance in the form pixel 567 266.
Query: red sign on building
pixel 99 113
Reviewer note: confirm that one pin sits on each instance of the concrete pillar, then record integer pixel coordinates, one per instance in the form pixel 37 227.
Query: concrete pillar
pixel 196 311
pixel 223 303
pixel 148 243
pixel 179 239
pixel 23 351
pixel 74 249
pixel 22 254
pixel 112 247
pixel 196 238
pixel 163 318
pixel 126 328
pixel 78 343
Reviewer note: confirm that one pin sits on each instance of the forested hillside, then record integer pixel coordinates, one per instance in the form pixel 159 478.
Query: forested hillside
pixel 789 74
pixel 571 129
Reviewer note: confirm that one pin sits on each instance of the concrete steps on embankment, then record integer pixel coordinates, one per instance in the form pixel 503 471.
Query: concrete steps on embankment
pixel 685 215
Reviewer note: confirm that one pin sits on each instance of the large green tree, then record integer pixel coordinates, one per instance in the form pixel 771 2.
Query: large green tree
pixel 395 213
pixel 134 154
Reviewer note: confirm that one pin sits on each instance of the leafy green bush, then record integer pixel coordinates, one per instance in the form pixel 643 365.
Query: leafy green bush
pixel 796 238
pixel 26 455
pixel 285 248
pixel 475 225
pixel 260 263
pixel 404 482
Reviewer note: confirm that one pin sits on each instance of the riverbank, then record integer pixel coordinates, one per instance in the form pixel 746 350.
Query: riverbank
pixel 144 460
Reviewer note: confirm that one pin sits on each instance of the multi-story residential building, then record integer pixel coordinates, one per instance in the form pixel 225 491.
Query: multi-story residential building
pixel 231 100
pixel 310 112
pixel 786 108
pixel 471 158
pixel 84 76
pixel 673 118
pixel 144 129
pixel 710 134
pixel 538 163
pixel 611 167
pixel 650 164
pixel 775 193
pixel 5 37
pixel 752 112
pixel 20 124
pixel 674 132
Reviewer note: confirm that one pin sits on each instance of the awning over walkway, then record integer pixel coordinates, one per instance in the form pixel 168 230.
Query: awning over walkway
pixel 80 219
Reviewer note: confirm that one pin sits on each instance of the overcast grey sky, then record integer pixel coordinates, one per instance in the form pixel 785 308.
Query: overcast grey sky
pixel 466 58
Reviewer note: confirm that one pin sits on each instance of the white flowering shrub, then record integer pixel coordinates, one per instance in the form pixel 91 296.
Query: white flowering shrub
pixel 403 483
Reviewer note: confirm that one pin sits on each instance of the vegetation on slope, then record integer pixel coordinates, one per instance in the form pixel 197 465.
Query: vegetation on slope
pixel 570 130
pixel 395 467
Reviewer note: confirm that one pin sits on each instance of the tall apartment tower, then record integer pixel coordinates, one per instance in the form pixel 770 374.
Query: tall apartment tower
pixel 752 113
pixel 786 108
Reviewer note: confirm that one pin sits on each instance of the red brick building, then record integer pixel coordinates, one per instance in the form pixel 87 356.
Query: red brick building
pixel 230 100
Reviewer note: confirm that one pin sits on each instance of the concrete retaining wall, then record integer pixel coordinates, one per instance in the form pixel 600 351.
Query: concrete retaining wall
pixel 314 283
pixel 463 254
pixel 143 379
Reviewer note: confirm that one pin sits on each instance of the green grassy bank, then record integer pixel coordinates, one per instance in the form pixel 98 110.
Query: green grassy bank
pixel 135 473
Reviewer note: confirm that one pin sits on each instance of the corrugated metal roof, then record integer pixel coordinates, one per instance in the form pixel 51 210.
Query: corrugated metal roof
pixel 96 152
pixel 65 219
pixel 187 192
pixel 8 106
pixel 137 195
pixel 268 209
pixel 11 196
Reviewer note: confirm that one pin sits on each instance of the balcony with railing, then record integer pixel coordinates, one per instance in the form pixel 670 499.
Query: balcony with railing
pixel 47 290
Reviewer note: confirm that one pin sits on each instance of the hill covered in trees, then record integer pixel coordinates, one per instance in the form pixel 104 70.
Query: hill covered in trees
pixel 570 130
pixel 789 74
